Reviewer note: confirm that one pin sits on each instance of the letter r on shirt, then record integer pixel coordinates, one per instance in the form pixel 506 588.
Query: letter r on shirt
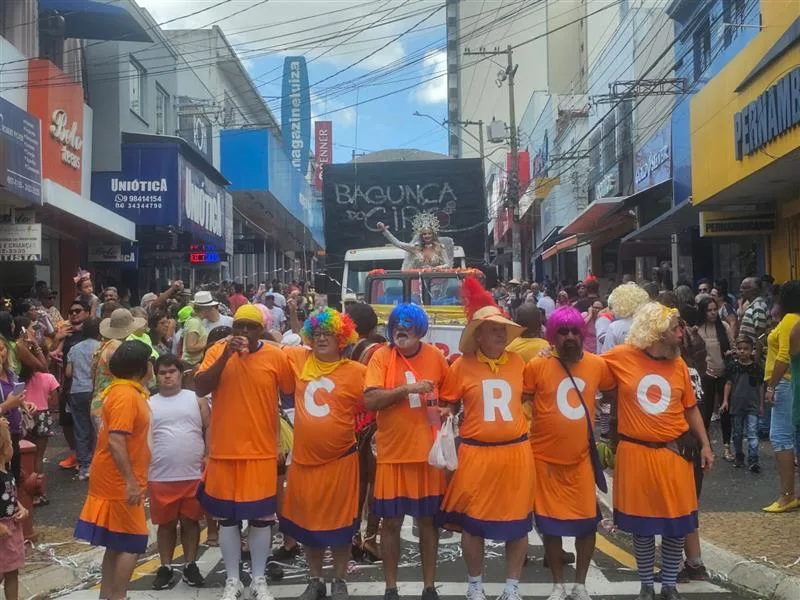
pixel 496 397
pixel 314 409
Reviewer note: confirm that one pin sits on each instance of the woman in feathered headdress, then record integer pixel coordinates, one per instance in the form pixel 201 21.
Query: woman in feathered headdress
pixel 491 492
pixel 426 249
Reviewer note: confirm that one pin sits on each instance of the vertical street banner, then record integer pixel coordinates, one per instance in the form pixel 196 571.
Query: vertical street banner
pixel 296 112
pixel 323 148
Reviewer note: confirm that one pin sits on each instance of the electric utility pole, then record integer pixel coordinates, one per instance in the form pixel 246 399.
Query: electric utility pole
pixel 512 188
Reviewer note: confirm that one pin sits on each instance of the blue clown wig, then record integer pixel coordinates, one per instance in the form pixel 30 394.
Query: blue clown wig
pixel 407 315
pixel 565 317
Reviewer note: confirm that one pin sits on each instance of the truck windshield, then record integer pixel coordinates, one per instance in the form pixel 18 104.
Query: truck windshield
pixel 357 272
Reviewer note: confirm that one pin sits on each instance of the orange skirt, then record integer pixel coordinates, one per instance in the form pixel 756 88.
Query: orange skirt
pixel 491 493
pixel 113 524
pixel 413 489
pixel 319 507
pixel 566 504
pixel 240 490
pixel 654 492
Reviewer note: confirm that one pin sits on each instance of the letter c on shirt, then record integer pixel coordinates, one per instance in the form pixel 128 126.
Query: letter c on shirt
pixel 665 391
pixel 496 397
pixel 414 401
pixel 573 413
pixel 314 409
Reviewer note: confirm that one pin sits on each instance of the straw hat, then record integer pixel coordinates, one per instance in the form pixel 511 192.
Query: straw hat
pixel 121 324
pixel 204 299
pixel 493 314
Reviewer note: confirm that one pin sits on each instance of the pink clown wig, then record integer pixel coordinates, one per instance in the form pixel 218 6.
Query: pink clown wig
pixel 267 316
pixel 568 317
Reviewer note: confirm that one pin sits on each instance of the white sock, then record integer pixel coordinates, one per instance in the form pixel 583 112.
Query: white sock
pixel 230 544
pixel 560 587
pixel 578 587
pixel 512 586
pixel 260 542
pixel 476 583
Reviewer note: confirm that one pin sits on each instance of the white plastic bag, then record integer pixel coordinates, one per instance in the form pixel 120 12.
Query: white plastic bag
pixel 443 453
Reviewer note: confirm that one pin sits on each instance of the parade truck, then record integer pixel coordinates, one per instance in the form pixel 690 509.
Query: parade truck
pixel 438 291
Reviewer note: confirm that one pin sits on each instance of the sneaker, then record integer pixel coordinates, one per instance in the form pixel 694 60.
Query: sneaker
pixel 83 475
pixel 191 575
pixel 391 594
pixel 738 464
pixel 475 593
pixel 284 554
pixel 259 589
pixel 315 590
pixel 559 593
pixel 647 592
pixel 670 593
pixel 339 590
pixel 510 596
pixel 429 593
pixel 163 578
pixel 579 593
pixel 70 462
pixel 233 590
pixel 274 571
pixel 755 468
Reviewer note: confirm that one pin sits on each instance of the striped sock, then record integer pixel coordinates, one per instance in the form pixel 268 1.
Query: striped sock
pixel 671 555
pixel 645 550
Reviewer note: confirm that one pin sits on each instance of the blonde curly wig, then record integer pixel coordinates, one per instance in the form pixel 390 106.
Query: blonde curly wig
pixel 650 323
pixel 625 299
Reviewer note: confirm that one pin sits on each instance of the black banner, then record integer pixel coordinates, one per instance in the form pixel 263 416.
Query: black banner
pixel 359 195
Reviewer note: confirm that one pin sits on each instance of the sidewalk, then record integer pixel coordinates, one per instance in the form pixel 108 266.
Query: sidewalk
pixel 741 544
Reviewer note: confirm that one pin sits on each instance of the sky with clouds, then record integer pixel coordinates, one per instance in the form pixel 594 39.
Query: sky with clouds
pixel 371 63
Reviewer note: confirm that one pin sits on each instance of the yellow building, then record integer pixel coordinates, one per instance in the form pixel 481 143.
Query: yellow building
pixel 745 140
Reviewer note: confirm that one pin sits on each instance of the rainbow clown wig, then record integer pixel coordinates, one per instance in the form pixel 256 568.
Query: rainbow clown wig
pixel 650 323
pixel 625 300
pixel 333 322
pixel 409 316
pixel 565 317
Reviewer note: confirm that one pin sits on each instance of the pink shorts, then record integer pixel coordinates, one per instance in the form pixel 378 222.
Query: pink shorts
pixel 12 547
pixel 170 500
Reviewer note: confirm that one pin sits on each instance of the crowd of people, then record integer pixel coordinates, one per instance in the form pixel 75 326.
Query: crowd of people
pixel 250 409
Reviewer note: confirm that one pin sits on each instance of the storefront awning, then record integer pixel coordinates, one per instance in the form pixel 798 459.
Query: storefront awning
pixel 560 246
pixel 595 216
pixel 546 242
pixel 86 216
pixel 675 220
pixel 93 20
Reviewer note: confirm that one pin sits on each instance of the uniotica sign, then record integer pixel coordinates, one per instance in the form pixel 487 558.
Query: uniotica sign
pixel 296 112
pixel 158 186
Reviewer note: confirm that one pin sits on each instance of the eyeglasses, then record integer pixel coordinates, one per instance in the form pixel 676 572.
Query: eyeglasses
pixel 75 311
pixel 247 326
pixel 321 333
pixel 567 330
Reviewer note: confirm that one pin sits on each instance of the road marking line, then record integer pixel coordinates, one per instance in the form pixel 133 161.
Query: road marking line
pixel 610 549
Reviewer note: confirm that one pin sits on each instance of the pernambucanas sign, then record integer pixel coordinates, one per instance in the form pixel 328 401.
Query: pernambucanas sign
pixel 21 243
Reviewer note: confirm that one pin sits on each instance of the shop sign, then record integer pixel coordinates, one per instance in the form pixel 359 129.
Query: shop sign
pixel 21 243
pixel 653 161
pixel 20 153
pixel 203 202
pixel 715 224
pixel 196 130
pixel 118 254
pixel 58 101
pixel 296 112
pixel 769 116
pixel 608 186
pixel 323 148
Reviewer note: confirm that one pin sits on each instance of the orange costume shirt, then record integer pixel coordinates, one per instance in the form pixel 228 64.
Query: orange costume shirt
pixel 107 519
pixel 404 435
pixel 654 491
pixel 494 459
pixel 324 467
pixel 558 430
pixel 244 421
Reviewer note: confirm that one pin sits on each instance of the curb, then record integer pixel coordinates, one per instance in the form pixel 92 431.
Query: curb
pixel 72 573
pixel 746 574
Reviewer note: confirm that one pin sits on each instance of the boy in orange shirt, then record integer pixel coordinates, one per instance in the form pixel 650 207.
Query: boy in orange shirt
pixel 401 384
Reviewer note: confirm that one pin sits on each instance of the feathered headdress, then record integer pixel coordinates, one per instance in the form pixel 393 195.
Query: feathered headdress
pixel 479 306
pixel 424 220
pixel 82 274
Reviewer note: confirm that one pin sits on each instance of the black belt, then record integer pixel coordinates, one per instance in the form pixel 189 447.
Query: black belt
pixel 471 442
pixel 653 445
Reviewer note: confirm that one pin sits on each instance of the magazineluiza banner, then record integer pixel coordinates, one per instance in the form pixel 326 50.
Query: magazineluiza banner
pixel 357 196
pixel 296 112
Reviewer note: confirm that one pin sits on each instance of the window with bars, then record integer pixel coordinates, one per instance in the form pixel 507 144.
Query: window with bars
pixel 702 48
pixel 162 111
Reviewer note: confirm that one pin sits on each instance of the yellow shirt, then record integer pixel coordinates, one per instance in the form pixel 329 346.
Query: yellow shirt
pixel 527 348
pixel 778 345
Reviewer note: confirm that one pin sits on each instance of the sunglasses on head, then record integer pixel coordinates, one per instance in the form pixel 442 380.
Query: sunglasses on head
pixel 567 330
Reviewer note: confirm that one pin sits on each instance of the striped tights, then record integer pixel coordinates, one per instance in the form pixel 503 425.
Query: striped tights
pixel 671 555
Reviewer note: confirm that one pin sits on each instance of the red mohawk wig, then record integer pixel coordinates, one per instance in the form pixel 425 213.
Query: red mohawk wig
pixel 474 297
